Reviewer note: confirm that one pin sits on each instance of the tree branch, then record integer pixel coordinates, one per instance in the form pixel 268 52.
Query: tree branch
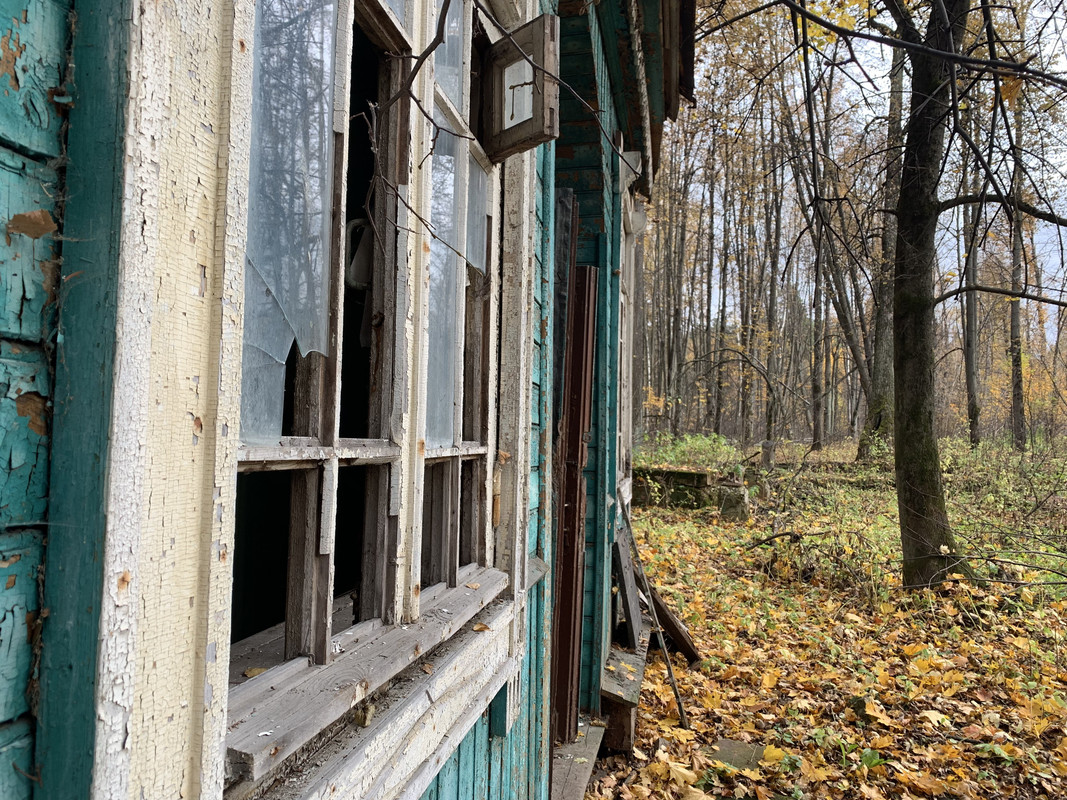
pixel 997 290
pixel 1027 208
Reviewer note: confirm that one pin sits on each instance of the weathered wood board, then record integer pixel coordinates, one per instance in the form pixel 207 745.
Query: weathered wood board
pixel 24 424
pixel 28 268
pixel 20 556
pixel 16 760
pixel 624 670
pixel 674 629
pixel 33 46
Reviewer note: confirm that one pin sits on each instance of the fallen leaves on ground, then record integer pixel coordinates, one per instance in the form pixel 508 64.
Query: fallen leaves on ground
pixel 851 694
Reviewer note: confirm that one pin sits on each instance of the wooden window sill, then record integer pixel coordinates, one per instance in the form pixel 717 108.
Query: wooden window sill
pixel 303 454
pixel 275 714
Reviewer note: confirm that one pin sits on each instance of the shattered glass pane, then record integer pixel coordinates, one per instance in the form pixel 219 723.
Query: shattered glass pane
pixel 288 251
pixel 477 221
pixel 448 57
pixel 400 9
pixel 444 268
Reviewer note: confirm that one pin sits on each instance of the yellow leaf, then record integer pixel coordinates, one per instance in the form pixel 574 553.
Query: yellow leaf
pixel 812 773
pixel 682 774
pixel 1010 88
pixel 427 668
pixel 936 717
pixel 473 585
pixel 752 774
pixel 770 679
pixel 252 672
pixel 481 626
pixel 772 754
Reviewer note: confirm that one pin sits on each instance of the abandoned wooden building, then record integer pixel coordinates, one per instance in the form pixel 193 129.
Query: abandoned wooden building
pixel 315 387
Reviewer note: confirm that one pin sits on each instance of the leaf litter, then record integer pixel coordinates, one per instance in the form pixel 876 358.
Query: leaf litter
pixel 846 686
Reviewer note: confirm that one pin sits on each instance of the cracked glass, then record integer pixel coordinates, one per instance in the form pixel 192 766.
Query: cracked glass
pixel 290 182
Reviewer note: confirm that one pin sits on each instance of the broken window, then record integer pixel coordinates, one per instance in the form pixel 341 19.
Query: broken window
pixel 289 214
pixel 323 570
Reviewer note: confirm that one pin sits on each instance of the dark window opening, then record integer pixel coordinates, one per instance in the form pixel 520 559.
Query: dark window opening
pixel 354 555
pixel 471 512
pixel 479 48
pixel 361 243
pixel 290 390
pixel 261 551
pixel 438 511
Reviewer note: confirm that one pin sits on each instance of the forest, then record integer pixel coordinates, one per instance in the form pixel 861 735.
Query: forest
pixel 854 304
pixel 857 233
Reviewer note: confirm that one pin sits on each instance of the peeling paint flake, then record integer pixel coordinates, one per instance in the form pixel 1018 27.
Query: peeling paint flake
pixel 10 53
pixel 34 224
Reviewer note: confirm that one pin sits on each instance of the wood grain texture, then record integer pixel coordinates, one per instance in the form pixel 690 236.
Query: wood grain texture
pixel 16 760
pixel 84 359
pixel 294 714
pixel 20 556
pixel 28 266
pixel 25 422
pixel 33 98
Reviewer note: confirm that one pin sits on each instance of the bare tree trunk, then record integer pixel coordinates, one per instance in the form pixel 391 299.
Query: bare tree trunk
pixel 1015 346
pixel 972 218
pixel 927 544
pixel 878 426
pixel 817 349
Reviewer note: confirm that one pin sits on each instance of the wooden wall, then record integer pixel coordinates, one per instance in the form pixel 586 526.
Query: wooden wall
pixel 33 48
pixel 586 163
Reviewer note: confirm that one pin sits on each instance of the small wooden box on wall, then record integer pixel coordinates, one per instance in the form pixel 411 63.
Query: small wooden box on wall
pixel 521 101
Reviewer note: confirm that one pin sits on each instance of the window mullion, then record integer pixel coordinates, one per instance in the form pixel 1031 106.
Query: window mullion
pixel 307 591
pixel 452 530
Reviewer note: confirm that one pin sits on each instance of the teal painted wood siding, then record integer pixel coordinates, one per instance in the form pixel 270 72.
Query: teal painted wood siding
pixel 33 56
pixel 586 163
pixel 84 357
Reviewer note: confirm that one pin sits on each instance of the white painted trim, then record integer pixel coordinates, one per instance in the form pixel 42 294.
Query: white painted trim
pixel 235 109
pixel 419 723
pixel 128 423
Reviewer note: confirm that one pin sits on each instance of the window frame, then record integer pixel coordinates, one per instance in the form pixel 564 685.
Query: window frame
pixel 420 617
pixel 447 519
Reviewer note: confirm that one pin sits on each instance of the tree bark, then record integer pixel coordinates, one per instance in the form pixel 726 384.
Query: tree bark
pixel 1015 346
pixel 928 547
pixel 878 426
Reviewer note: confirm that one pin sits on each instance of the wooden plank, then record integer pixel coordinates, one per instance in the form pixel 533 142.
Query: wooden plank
pixel 482 759
pixel 628 597
pixel 674 629
pixel 25 422
pixel 572 764
pixel 417 725
pixel 84 359
pixel 297 713
pixel 308 593
pixel 16 760
pixel 448 779
pixel 34 100
pixel 625 669
pixel 570 554
pixel 29 271
pixel 20 556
